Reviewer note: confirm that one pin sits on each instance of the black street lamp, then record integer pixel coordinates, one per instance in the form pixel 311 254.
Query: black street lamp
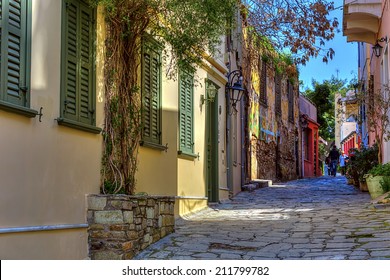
pixel 234 88
pixel 378 48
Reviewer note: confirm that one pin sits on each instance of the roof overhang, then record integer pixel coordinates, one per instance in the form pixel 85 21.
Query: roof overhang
pixel 361 20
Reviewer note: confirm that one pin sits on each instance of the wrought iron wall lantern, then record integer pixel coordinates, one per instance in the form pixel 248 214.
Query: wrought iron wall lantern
pixel 378 48
pixel 211 92
pixel 234 88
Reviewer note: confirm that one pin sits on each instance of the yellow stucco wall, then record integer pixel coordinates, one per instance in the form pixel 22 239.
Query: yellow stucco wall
pixel 166 172
pixel 156 174
pixel 46 169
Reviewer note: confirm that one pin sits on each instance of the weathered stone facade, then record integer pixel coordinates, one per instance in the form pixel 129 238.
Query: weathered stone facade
pixel 120 226
pixel 274 130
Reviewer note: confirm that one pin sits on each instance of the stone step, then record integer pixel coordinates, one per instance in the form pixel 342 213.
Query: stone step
pixel 256 184
pixel 249 187
pixel 262 182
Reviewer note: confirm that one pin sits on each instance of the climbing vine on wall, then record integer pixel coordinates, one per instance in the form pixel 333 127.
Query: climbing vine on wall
pixel 191 29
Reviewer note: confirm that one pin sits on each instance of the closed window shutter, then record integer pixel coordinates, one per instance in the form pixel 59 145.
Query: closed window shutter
pixel 186 142
pixel 13 31
pixel 78 71
pixel 278 94
pixel 86 110
pixel 263 83
pixel 151 93
pixel 290 92
pixel 70 102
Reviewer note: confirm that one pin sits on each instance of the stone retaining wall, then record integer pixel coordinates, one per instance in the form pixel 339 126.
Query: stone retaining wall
pixel 120 226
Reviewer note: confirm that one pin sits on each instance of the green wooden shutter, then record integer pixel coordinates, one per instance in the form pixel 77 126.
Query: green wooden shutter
pixel 1 51
pixel 70 101
pixel 155 96
pixel 13 30
pixel 186 131
pixel 78 97
pixel 146 95
pixel 151 93
pixel 86 106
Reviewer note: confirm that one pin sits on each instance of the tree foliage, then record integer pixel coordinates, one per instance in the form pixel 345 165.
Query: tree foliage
pixel 377 114
pixel 187 29
pixel 323 96
pixel 302 26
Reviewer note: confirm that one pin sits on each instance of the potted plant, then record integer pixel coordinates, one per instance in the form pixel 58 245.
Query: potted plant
pixel 360 162
pixel 351 173
pixel 378 180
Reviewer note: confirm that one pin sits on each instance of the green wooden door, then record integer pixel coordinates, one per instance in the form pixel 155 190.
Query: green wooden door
pixel 212 150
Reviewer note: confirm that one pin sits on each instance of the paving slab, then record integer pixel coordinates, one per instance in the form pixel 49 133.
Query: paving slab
pixel 318 218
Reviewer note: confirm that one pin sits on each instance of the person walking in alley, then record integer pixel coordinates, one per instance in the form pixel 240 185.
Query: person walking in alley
pixel 342 161
pixel 334 160
pixel 327 166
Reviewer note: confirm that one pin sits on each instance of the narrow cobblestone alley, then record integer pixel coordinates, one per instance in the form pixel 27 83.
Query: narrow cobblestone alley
pixel 322 218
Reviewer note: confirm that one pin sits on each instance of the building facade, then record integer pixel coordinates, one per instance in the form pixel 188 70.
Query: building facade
pixel 310 163
pixel 51 115
pixel 368 23
pixel 185 147
pixel 347 121
pixel 197 144
pixel 273 116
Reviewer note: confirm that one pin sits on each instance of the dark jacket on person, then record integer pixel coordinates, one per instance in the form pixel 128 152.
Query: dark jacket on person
pixel 334 154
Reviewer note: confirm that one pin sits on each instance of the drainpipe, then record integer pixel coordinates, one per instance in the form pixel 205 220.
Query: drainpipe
pixel 303 153
pixel 243 150
pixel 229 164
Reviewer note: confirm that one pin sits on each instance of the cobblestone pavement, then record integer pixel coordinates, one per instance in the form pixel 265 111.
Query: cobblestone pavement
pixel 320 218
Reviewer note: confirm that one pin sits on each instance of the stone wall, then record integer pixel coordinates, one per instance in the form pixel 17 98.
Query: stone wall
pixel 277 162
pixel 266 157
pixel 120 226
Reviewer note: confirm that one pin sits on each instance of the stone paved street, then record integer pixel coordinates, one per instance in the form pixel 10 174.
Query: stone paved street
pixel 319 218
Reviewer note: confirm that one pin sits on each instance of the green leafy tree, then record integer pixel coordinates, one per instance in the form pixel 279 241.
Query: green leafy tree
pixel 378 111
pixel 323 96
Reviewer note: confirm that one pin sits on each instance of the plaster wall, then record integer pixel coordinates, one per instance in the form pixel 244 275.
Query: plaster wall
pixel 46 169
pixel 384 63
pixel 157 170
pixel 168 172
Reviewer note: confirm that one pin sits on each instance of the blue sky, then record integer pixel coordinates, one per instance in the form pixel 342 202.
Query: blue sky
pixel 344 63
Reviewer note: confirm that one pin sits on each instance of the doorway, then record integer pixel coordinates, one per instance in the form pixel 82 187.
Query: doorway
pixel 212 180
